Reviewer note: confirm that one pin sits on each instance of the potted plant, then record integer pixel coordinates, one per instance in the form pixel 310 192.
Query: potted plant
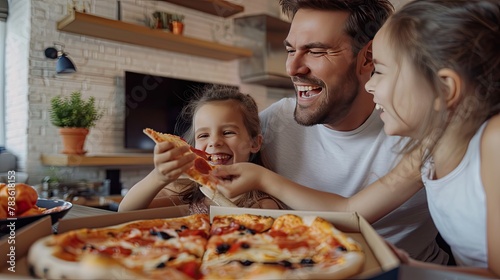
pixel 177 24
pixel 74 116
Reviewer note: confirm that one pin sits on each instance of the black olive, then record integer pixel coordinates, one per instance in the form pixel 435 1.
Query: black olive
pixel 245 245
pixel 341 248
pixel 31 270
pixel 161 265
pixel 88 246
pixel 183 227
pixel 251 231
pixel 223 248
pixel 285 263
pixel 164 235
pixel 246 263
pixel 161 234
pixel 242 227
pixel 307 262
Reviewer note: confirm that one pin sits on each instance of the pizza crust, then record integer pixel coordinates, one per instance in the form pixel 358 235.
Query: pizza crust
pixel 353 264
pixel 44 264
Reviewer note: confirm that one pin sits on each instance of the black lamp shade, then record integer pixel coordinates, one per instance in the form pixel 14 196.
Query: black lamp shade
pixel 51 53
pixel 65 65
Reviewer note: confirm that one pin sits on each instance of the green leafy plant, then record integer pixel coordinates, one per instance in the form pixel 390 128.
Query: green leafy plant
pixel 73 111
pixel 177 17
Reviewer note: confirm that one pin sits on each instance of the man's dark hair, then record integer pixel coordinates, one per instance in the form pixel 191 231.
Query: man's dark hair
pixel 365 16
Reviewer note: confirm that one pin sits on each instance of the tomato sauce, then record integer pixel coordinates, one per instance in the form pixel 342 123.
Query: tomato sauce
pixel 115 251
pixel 193 232
pixel 191 269
pixel 139 241
pixel 291 244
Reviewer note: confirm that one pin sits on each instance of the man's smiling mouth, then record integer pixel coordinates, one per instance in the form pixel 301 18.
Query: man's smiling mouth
pixel 308 91
pixel 379 107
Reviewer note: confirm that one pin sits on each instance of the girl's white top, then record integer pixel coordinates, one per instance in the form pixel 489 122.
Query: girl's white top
pixel 458 206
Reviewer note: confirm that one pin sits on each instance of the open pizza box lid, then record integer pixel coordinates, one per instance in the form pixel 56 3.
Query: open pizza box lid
pixel 15 246
pixel 380 260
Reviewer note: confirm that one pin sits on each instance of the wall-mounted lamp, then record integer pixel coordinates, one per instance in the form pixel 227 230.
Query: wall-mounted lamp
pixel 64 64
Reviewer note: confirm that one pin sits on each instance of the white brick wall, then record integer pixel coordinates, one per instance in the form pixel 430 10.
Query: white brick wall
pixel 16 79
pixel 32 81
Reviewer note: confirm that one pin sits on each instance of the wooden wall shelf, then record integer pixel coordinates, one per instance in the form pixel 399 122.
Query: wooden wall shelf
pixel 219 8
pixel 97 160
pixel 90 25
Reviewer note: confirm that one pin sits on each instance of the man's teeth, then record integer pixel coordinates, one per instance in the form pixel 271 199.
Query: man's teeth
pixel 306 88
pixel 379 107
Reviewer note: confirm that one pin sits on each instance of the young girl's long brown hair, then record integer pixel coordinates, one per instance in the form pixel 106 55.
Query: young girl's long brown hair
pixel 463 36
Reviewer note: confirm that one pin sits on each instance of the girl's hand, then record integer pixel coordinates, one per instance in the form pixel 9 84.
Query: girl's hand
pixel 238 178
pixel 170 161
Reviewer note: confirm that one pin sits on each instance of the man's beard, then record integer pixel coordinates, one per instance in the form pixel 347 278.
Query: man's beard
pixel 331 111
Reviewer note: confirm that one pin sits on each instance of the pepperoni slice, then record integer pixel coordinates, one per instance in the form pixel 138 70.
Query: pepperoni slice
pixel 202 166
pixel 200 153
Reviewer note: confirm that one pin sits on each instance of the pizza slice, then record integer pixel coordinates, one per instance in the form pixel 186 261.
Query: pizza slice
pixel 328 251
pixel 145 249
pixel 200 172
pixel 289 246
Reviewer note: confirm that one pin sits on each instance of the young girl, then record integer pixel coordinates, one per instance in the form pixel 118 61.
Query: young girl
pixel 225 124
pixel 436 80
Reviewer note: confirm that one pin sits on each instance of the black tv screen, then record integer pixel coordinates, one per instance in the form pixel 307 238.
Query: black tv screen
pixel 155 102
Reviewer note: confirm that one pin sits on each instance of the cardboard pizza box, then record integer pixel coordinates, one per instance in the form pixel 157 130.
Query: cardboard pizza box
pixel 15 247
pixel 380 263
pixel 380 260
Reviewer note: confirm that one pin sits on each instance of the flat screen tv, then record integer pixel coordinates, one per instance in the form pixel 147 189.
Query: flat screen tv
pixel 155 102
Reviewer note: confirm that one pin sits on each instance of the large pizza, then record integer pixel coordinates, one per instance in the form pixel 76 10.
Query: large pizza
pixel 243 246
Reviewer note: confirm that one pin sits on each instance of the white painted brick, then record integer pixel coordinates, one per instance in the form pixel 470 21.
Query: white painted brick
pixel 101 64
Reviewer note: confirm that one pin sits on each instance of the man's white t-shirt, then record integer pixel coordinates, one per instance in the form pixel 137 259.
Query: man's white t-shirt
pixel 344 163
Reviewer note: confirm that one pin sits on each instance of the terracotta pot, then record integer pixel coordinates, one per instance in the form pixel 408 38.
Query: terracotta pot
pixel 177 27
pixel 73 140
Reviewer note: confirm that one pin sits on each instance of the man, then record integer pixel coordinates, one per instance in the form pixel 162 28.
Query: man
pixel 330 137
